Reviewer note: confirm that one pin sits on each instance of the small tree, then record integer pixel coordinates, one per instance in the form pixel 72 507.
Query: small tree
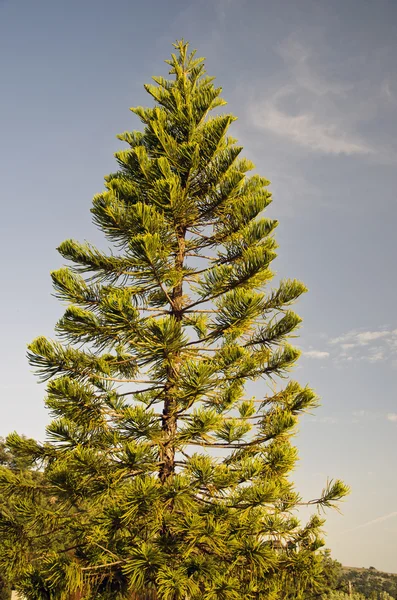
pixel 169 478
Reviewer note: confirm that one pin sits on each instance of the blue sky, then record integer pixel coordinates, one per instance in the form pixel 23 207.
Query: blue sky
pixel 314 84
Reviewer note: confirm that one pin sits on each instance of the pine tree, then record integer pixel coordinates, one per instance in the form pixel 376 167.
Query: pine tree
pixel 168 478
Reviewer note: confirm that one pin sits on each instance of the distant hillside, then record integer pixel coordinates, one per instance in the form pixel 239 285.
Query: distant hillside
pixel 368 581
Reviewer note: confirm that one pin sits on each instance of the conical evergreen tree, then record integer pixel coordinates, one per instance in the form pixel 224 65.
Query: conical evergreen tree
pixel 168 479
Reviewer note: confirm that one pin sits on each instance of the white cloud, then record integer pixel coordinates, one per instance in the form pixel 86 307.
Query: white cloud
pixel 353 339
pixel 370 336
pixel 372 346
pixel 307 131
pixel 323 116
pixel 375 355
pixel 341 339
pixel 316 354
pixel 392 417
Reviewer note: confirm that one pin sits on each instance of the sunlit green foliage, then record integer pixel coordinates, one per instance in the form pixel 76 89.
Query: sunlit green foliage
pixel 167 478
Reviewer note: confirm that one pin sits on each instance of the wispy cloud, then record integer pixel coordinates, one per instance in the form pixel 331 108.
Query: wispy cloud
pixel 298 57
pixel 357 338
pixel 388 92
pixel 372 345
pixel 314 110
pixel 375 355
pixel 306 130
pixel 367 415
pixel 318 354
pixel 373 522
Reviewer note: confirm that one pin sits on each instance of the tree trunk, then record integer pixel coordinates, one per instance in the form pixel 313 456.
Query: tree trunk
pixel 77 595
pixel 169 418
